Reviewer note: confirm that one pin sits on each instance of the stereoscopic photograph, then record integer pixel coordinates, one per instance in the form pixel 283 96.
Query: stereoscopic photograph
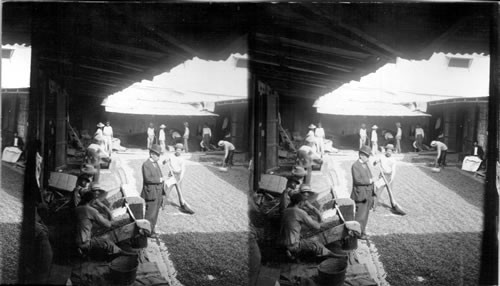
pixel 249 143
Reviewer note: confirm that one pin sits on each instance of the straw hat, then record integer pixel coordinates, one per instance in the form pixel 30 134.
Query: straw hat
pixel 389 147
pixel 312 126
pixel 374 127
pixel 179 146
pixel 100 124
pixel 163 126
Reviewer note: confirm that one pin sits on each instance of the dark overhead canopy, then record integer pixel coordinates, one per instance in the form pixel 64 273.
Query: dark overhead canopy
pixel 302 50
pixel 308 50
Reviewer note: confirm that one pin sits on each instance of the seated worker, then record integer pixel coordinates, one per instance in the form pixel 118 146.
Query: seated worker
pixel 95 152
pixel 86 215
pixel 305 159
pixel 228 153
pixel 292 186
pixel 442 149
pixel 477 151
pixel 294 217
pixel 83 183
pixel 388 166
pixel 474 161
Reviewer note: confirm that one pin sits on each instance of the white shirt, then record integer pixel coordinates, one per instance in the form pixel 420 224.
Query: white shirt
pixel 177 163
pixel 362 132
pixel 186 133
pixel 228 145
pixel 98 132
pixel 419 131
pixel 206 130
pixel 399 133
pixel 441 146
pixel 374 136
pixel 475 151
pixel 107 131
pixel 387 163
pixel 320 132
pixel 161 135
pixel 151 132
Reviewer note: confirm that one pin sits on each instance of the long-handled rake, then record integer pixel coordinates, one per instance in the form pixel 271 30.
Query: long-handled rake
pixel 395 207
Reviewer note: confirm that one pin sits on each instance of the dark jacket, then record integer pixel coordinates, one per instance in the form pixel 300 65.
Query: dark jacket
pixel 152 186
pixel 362 189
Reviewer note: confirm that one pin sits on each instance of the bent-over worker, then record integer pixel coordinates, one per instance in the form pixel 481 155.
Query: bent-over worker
pixel 228 153
pixel 442 149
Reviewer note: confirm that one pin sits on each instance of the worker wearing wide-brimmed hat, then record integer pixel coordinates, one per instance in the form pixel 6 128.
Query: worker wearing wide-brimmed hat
pixel 99 129
pixel 293 219
pixel 292 185
pixel 177 169
pixel 162 138
pixel 152 189
pixel 82 186
pixel 94 153
pixel 374 139
pixel 362 187
pixel 388 168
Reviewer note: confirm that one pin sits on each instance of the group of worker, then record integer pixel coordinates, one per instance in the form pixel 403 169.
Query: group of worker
pixel 374 142
pixel 161 139
pixel 295 202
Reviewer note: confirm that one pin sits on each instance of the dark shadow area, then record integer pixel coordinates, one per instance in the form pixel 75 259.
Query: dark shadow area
pixel 470 190
pixel 218 259
pixel 430 259
pixel 10 251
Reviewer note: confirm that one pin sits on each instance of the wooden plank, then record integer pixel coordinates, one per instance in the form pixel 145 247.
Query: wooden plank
pixel 121 233
pixel 330 235
pixel 272 183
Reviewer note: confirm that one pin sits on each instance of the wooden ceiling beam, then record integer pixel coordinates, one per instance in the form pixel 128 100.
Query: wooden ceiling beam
pixel 296 60
pixel 325 58
pixel 315 47
pixel 434 44
pixel 327 26
pixel 95 82
pixel 292 71
pixel 186 50
pixel 363 37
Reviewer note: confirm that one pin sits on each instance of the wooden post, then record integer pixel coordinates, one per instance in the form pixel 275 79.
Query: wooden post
pixel 489 249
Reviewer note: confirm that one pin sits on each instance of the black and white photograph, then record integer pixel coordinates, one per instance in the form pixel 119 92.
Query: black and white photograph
pixel 249 143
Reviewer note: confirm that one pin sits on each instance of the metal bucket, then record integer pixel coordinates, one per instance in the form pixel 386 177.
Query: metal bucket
pixel 331 272
pixel 123 270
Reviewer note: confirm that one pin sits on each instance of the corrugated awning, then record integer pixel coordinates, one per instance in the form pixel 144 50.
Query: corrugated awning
pixel 158 108
pixel 353 108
